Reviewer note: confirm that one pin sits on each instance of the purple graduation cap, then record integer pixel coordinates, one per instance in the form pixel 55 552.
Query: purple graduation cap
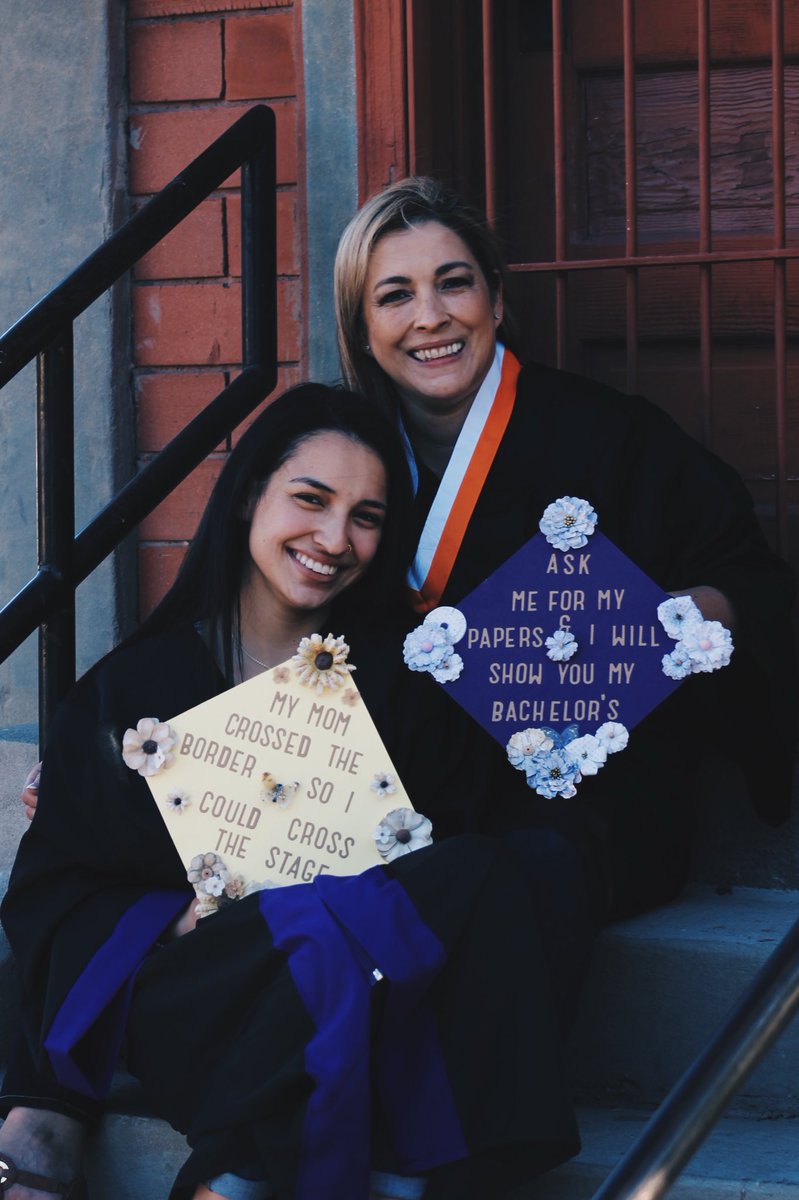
pixel 565 637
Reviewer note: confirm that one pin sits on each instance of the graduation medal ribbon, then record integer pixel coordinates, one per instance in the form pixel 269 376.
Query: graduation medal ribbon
pixel 462 482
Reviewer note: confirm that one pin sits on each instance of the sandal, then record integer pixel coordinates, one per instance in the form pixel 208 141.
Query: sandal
pixel 11 1174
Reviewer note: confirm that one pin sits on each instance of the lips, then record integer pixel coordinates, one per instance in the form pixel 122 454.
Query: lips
pixel 313 564
pixel 434 353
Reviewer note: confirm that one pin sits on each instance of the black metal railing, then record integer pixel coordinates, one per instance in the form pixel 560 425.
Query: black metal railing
pixel 692 1108
pixel 45 333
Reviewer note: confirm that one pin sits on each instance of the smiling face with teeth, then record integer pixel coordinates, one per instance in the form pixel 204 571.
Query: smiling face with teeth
pixel 431 320
pixel 315 528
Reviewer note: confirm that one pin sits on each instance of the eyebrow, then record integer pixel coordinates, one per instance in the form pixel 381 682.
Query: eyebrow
pixel 325 487
pixel 444 269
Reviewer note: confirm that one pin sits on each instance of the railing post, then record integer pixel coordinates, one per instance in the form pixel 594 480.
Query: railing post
pixel 55 495
pixel 259 261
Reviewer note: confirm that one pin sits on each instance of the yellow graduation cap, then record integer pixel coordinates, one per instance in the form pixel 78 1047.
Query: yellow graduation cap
pixel 280 779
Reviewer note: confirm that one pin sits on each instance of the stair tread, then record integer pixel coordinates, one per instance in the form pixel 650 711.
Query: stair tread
pixel 743 1158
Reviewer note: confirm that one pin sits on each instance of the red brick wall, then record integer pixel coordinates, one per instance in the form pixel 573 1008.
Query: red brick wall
pixel 194 66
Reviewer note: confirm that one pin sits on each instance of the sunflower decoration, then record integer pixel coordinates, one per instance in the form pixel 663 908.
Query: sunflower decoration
pixel 321 663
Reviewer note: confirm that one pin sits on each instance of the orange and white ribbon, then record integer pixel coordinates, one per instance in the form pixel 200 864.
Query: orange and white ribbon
pixel 462 482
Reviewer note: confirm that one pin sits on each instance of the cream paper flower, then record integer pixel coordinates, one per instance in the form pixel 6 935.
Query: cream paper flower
pixel 321 663
pixel 148 747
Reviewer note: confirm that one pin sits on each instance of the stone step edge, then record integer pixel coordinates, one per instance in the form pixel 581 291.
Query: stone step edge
pixel 742 1158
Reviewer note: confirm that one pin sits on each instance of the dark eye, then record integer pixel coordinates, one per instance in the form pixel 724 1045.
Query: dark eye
pixel 456 282
pixel 309 498
pixel 365 516
pixel 393 297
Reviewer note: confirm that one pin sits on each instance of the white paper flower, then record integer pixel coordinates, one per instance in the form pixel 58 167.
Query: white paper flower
pixel 677 613
pixel 426 647
pixel 401 832
pixel 613 736
pixel 677 664
pixel 708 645
pixel 321 663
pixel 450 619
pixel 148 747
pixel 383 784
pixel 214 886
pixel 568 523
pixel 561 645
pixel 177 802
pixel 523 746
pixel 588 752
pixel 448 671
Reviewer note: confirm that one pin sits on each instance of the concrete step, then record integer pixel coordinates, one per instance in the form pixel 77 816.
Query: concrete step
pixel 660 986
pixel 131 1157
pixel 742 1159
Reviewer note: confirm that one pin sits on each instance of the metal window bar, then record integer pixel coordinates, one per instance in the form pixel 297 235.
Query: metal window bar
pixel 65 561
pixel 559 126
pixel 489 93
pixel 631 196
pixel 780 267
pixel 705 219
pixel 705 257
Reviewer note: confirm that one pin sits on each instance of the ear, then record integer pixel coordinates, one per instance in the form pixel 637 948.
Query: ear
pixel 498 304
pixel 247 510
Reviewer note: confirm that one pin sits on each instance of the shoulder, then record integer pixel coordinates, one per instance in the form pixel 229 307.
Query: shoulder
pixel 564 395
pixel 159 675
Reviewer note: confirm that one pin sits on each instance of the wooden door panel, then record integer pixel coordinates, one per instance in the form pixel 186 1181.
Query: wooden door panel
pixel 668 308
pixel 667 150
pixel 667 34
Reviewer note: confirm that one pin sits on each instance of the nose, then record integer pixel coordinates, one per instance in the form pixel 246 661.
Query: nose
pixel 331 535
pixel 431 313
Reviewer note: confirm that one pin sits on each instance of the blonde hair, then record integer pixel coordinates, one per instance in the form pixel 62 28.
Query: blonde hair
pixel 412 201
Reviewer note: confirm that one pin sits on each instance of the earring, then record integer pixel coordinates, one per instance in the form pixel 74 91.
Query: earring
pixel 349 547
pixel 496 315
pixel 367 348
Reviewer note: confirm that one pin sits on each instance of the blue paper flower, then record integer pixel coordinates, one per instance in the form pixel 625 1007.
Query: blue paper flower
pixel 568 523
pixel 553 774
pixel 448 670
pixel 677 613
pixel 561 645
pixel 677 665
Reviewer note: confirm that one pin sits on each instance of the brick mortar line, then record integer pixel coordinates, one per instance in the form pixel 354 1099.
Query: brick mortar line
pixel 232 10
pixel 205 16
pixel 144 107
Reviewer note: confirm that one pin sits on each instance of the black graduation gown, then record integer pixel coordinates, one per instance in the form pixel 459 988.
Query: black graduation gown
pixel 262 1034
pixel 685 518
